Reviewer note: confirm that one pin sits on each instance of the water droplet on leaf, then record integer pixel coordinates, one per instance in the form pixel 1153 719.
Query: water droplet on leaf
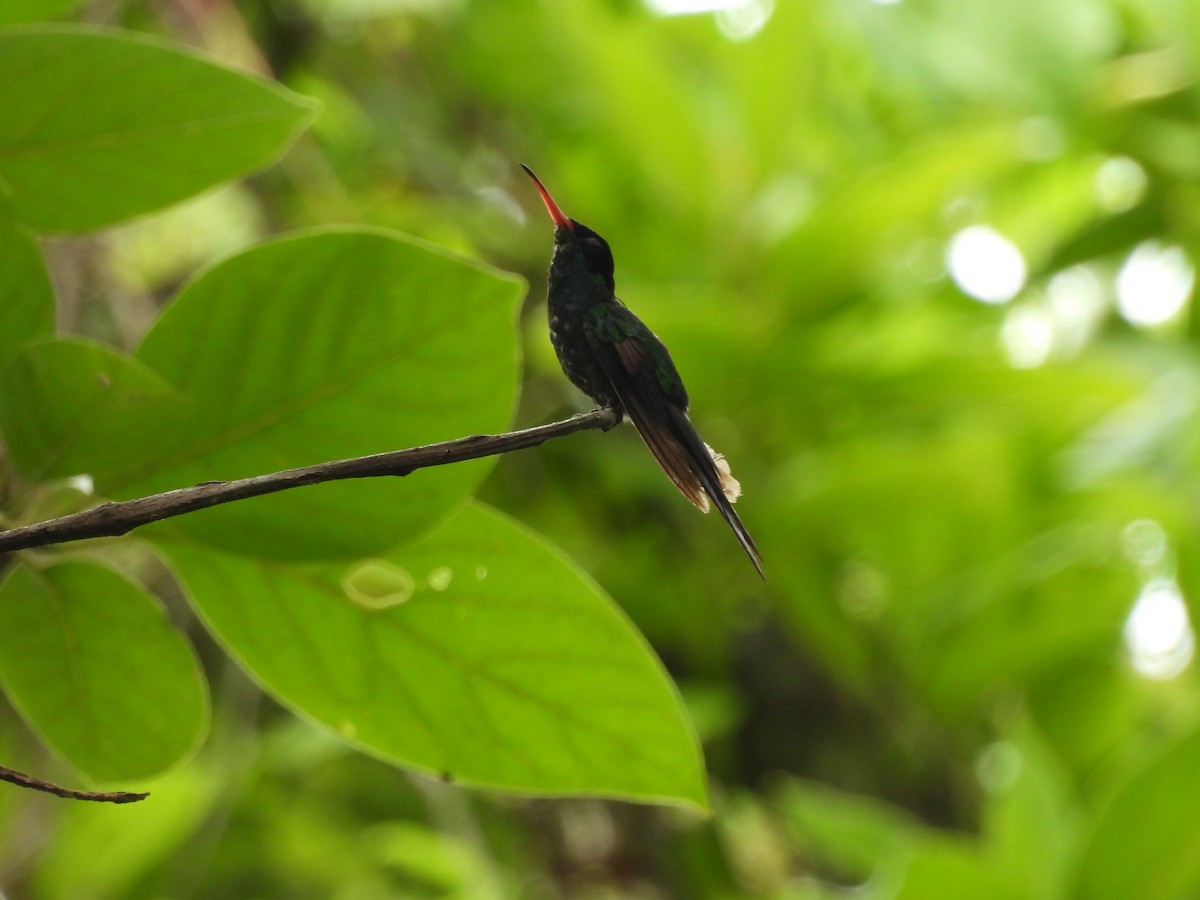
pixel 378 584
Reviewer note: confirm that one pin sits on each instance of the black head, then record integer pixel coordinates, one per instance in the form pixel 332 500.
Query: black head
pixel 597 257
pixel 596 254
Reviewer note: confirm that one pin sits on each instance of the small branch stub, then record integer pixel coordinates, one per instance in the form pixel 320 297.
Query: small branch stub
pixel 12 776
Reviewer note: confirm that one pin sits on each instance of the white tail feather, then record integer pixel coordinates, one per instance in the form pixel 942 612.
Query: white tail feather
pixel 730 486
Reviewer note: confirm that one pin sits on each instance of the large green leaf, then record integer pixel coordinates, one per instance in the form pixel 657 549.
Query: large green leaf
pixel 26 298
pixel 1145 840
pixel 324 346
pixel 99 126
pixel 478 653
pixel 72 406
pixel 94 666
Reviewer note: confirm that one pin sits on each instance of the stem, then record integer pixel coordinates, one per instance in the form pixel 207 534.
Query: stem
pixel 37 784
pixel 117 518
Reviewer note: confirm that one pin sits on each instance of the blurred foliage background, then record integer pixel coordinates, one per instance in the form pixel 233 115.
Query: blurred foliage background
pixel 926 267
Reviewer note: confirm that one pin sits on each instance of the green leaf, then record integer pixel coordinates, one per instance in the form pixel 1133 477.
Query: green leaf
pixel 99 126
pixel 324 346
pixel 1145 839
pixel 854 834
pixel 26 298
pixel 494 661
pixel 14 11
pixel 1030 819
pixel 95 668
pixel 71 406
pixel 945 866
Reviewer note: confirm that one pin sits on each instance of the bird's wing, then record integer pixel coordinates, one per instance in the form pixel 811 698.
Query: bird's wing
pixel 652 393
pixel 622 346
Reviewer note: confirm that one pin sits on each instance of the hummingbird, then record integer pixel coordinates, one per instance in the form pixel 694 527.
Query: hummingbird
pixel 609 354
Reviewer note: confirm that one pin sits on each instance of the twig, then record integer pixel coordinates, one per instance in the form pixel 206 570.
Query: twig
pixel 117 518
pixel 28 781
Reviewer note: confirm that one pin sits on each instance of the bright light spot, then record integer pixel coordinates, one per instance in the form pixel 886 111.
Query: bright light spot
pixel 1144 542
pixel 439 579
pixel 1120 184
pixel 686 7
pixel 83 484
pixel 1078 303
pixel 481 573
pixel 348 728
pixel 738 20
pixel 1027 336
pixel 1154 284
pixel 742 21
pixel 1158 633
pixel 985 264
pixel 998 766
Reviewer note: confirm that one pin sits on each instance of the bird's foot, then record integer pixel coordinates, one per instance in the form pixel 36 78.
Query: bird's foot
pixel 616 414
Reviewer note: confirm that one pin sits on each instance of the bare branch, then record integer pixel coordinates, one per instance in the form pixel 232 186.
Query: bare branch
pixel 37 784
pixel 113 519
